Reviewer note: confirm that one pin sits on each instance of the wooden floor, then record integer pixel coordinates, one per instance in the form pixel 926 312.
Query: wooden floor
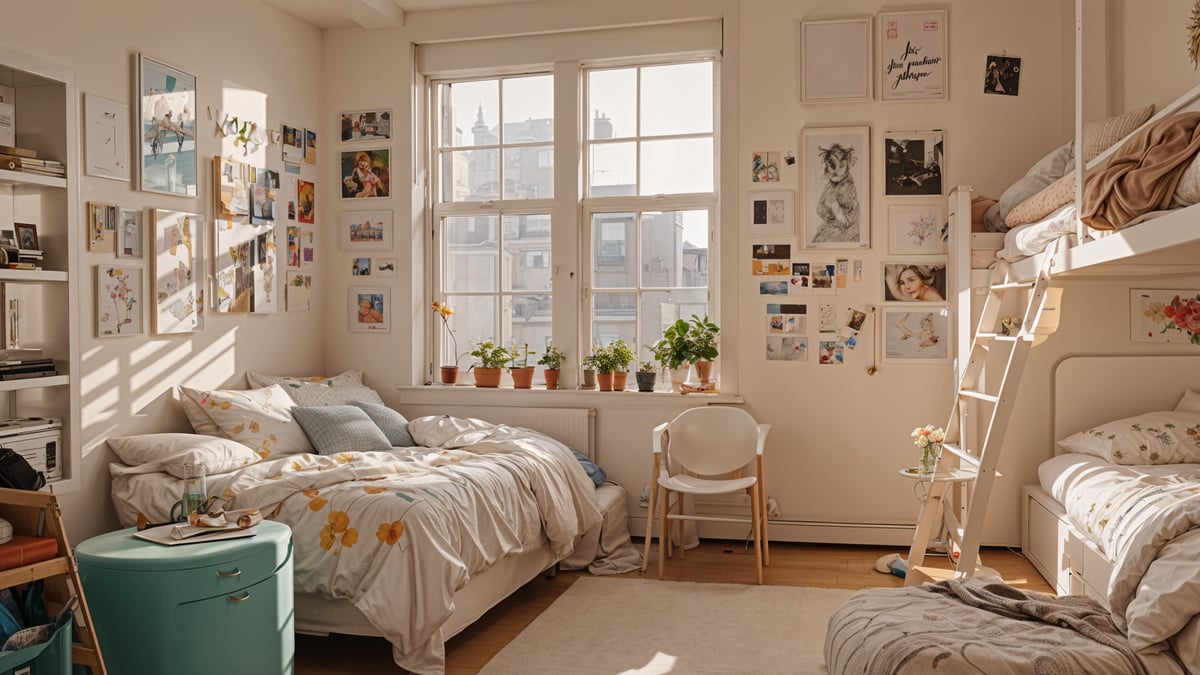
pixel 824 566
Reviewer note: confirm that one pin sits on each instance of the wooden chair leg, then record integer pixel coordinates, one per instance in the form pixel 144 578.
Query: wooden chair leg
pixel 756 517
pixel 681 526
pixel 664 536
pixel 762 499
pixel 650 514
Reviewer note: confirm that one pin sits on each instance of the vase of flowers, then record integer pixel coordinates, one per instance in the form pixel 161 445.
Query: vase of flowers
pixel 449 373
pixel 929 440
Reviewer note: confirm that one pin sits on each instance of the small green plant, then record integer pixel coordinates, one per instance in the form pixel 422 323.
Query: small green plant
pixel 490 354
pixel 622 355
pixel 674 349
pixel 702 339
pixel 590 362
pixel 613 357
pixel 519 356
pixel 648 367
pixel 553 358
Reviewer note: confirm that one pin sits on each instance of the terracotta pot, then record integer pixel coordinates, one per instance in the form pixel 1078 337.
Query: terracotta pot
pixel 620 380
pixel 589 379
pixel 551 379
pixel 605 380
pixel 704 371
pixel 679 376
pixel 487 377
pixel 646 380
pixel 449 374
pixel 522 377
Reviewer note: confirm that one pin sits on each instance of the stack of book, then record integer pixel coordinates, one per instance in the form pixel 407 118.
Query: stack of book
pixel 20 369
pixel 26 259
pixel 22 159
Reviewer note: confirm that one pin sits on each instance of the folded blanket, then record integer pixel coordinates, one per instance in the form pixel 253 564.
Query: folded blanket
pixel 1141 176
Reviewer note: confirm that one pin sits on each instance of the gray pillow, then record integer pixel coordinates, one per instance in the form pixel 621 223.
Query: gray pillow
pixel 390 422
pixel 340 428
pixel 1047 170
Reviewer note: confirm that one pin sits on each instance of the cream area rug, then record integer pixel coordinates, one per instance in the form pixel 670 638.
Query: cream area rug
pixel 642 626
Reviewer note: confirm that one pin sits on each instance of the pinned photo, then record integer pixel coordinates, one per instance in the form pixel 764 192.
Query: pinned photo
pixel 787 349
pixel 771 259
pixel 831 353
pixel 772 288
pixel 789 319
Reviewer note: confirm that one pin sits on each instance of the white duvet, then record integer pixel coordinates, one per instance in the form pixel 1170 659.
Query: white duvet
pixel 397 533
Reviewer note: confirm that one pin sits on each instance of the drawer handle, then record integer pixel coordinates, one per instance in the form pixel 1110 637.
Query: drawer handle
pixel 235 573
pixel 240 598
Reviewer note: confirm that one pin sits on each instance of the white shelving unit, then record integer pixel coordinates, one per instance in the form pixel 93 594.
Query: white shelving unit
pixel 47 121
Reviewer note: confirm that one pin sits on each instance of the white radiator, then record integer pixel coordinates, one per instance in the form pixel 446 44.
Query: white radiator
pixel 570 426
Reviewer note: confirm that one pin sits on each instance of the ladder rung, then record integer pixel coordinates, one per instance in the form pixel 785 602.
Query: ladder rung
pixel 978 395
pixel 961 454
pixel 1009 286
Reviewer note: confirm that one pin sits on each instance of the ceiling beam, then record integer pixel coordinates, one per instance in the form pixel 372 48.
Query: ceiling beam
pixel 371 13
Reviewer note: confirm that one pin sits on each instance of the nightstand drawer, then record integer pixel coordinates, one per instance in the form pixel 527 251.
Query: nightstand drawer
pixel 188 585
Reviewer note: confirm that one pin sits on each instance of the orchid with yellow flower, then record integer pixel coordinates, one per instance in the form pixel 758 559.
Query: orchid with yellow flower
pixel 443 311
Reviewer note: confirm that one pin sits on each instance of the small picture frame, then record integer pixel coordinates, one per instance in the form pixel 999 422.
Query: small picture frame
pixel 914 162
pixel 366 174
pixel 914 282
pixel 913 59
pixel 293 144
pixel 771 213
pixel 370 311
pixel 916 335
pixel 365 230
pixel 27 236
pixel 102 227
pixel 837 187
pixel 1002 75
pixel 835 60
pixel 385 267
pixel 916 229
pixel 120 301
pixel 129 233
pixel 366 125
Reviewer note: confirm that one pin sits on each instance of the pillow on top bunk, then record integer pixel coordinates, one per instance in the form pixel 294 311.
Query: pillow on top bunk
pixel 340 428
pixel 1151 438
pixel 1100 135
pixel 259 418
pixel 1044 172
pixel 170 452
pixel 1190 402
pixel 393 425
pixel 1050 199
pixel 340 389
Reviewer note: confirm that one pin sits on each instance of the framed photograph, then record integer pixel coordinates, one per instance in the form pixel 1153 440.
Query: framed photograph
pixel 913 163
pixel 837 187
pixel 306 200
pixel 360 267
pixel 916 228
pixel 385 267
pixel 106 137
pixel 1161 315
pixel 835 60
pixel 129 233
pixel 102 227
pixel 1002 75
pixel 27 236
pixel 771 213
pixel 365 230
pixel 912 56
pixel 370 310
pixel 366 174
pixel 119 301
pixel 914 282
pixel 176 272
pixel 366 125
pixel 167 110
pixel 293 144
pixel 916 335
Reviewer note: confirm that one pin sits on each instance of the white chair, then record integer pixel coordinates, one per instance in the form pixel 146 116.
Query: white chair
pixel 704 451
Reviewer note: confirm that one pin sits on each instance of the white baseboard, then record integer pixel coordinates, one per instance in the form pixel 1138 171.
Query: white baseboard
pixel 864 534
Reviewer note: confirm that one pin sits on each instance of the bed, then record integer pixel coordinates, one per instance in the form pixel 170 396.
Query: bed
pixel 412 542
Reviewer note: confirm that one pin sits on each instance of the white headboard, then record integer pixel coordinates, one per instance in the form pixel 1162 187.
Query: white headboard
pixel 1092 390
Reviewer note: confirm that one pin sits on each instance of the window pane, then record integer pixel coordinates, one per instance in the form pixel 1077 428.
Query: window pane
pixel 529 322
pixel 529 172
pixel 675 249
pixel 612 169
pixel 614 315
pixel 677 166
pixel 677 99
pixel 661 308
pixel 470 175
pixel 614 260
pixel 528 109
pixel 527 253
pixel 476 316
pixel 470 258
pixel 470 113
pixel 612 97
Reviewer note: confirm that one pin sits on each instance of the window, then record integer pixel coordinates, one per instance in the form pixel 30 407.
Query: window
pixel 646 205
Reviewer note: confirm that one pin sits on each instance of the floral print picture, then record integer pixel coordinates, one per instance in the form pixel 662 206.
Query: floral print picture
pixel 1164 316
pixel 118 301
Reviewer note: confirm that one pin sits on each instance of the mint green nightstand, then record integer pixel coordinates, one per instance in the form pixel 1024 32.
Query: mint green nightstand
pixel 217 607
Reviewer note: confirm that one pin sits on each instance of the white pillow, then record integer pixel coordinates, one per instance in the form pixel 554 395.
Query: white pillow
pixel 349 378
pixel 1190 402
pixel 170 452
pixel 1151 438
pixel 259 418
pixel 197 417
pixel 341 389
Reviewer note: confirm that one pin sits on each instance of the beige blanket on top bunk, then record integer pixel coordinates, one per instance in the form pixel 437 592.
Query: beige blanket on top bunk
pixel 1142 174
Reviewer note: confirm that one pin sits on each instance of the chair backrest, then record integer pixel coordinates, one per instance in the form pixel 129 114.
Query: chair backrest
pixel 712 440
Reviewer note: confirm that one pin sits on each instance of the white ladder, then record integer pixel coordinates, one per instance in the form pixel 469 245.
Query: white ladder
pixel 961 485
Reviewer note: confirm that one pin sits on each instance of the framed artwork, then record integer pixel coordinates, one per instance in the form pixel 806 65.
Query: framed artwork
pixel 771 213
pixel 245 268
pixel 360 267
pixel 835 60
pixel 129 233
pixel 1002 75
pixel 106 137
pixel 306 201
pixel 298 296
pixel 914 282
pixel 102 227
pixel 916 334
pixel 366 174
pixel 385 267
pixel 119 301
pixel 1164 315
pixel 293 144
pixel 370 310
pixel 365 230
pixel 167 110
pixel 27 237
pixel 366 125
pixel 176 273
pixel 837 187
pixel 916 228
pixel 913 163
pixel 912 56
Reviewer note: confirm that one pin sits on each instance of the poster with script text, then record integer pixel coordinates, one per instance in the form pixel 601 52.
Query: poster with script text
pixel 912 53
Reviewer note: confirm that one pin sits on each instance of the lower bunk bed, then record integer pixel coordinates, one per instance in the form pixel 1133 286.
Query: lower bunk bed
pixel 413 542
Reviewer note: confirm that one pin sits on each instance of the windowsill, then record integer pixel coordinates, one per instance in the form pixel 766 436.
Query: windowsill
pixel 466 394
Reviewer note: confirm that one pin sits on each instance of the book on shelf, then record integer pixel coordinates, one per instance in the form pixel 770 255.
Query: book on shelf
pixel 20 266
pixel 26 550
pixel 56 173
pixel 8 360
pixel 5 377
pixel 29 368
pixel 19 152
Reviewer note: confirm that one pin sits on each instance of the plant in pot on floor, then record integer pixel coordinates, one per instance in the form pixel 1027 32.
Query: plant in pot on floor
pixel 702 339
pixel 492 358
pixel 519 368
pixel 553 359
pixel 449 373
pixel 647 375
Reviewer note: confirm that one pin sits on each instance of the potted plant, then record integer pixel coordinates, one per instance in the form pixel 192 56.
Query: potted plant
pixel 605 363
pixel 673 351
pixel 492 358
pixel 449 373
pixel 702 338
pixel 622 356
pixel 553 359
pixel 519 368
pixel 646 375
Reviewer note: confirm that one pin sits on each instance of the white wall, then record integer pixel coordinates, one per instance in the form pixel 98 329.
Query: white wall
pixel 126 382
